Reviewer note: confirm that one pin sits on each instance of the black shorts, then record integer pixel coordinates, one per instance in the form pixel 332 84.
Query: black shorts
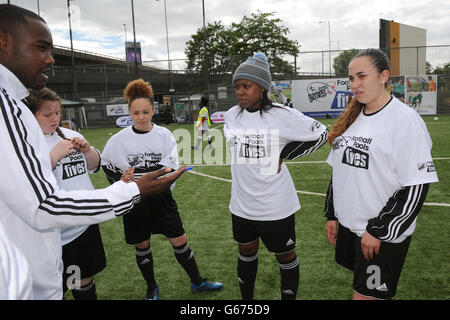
pixel 278 235
pixel 86 253
pixel 156 214
pixel 377 277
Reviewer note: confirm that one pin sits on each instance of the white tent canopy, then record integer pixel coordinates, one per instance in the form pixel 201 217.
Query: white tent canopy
pixel 69 112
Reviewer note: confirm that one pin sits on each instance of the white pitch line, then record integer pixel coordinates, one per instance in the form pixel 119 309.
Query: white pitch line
pixel 436 204
pixel 308 162
pixel 219 126
pixel 290 162
pixel 431 204
pixel 227 164
pixel 206 165
pixel 305 162
pixel 208 176
pixel 311 193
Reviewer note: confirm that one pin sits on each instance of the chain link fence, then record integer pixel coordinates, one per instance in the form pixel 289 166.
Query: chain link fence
pixel 178 92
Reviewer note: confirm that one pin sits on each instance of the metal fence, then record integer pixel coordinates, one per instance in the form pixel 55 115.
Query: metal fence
pixel 98 85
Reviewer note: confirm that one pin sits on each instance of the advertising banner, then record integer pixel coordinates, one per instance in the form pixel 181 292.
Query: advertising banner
pixel 130 54
pixel 114 110
pixel 421 93
pixel 320 98
pixel 124 121
pixel 221 92
pixel 323 98
pixel 218 117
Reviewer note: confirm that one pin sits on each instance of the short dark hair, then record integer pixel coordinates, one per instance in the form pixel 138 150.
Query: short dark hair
pixel 204 101
pixel 13 17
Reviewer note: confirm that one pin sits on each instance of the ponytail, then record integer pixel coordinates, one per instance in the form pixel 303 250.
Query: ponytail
pixel 60 133
pixel 345 120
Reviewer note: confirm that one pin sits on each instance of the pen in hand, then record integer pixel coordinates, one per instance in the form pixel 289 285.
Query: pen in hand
pixel 173 172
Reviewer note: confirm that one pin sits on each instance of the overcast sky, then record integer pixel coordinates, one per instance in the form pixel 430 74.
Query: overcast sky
pixel 98 25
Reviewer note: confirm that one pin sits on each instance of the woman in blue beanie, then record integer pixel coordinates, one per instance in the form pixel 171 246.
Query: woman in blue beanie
pixel 260 134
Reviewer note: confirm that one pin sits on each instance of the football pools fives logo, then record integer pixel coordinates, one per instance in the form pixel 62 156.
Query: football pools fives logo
pixel 429 165
pixel 353 154
pixel 259 147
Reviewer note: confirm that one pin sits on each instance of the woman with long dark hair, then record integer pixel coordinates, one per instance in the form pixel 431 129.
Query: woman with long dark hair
pixel 382 168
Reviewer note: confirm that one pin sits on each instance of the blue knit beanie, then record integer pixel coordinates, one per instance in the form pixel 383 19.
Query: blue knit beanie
pixel 255 69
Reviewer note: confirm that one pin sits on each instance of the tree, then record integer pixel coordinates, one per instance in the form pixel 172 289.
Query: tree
pixel 216 49
pixel 226 48
pixel 443 69
pixel 341 62
pixel 428 68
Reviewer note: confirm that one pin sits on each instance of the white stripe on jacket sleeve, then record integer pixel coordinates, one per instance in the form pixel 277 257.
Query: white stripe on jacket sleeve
pixel 29 188
pixel 408 209
pixel 399 213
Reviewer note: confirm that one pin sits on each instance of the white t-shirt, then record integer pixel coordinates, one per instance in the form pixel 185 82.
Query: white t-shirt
pixel 145 152
pixel 35 215
pixel 255 142
pixel 377 155
pixel 71 173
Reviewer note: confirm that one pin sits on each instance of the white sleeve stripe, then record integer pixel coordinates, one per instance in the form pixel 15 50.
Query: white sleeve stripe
pixel 111 167
pixel 64 211
pixel 58 199
pixel 327 200
pixel 55 205
pixel 65 206
pixel 130 206
pixel 323 139
pixel 9 127
pixel 46 186
pixel 293 151
pixel 320 142
pixel 299 155
pixel 415 193
pixel 23 149
pixel 136 198
pixel 32 169
pixel 110 171
pixel 407 210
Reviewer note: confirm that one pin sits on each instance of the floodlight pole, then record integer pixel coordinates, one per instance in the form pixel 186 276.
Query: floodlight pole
pixel 136 67
pixel 74 83
pixel 168 54
pixel 329 45
pixel 205 62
